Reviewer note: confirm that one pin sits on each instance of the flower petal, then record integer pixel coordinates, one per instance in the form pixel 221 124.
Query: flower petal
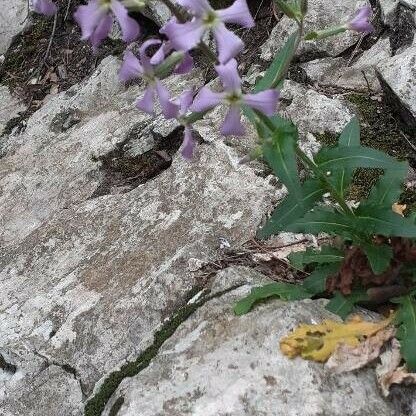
pixel 159 56
pixel 88 17
pixel 129 26
pixel 188 145
pixel 144 58
pixel 264 101
pixel 46 7
pixel 360 21
pixel 186 65
pixel 130 67
pixel 229 75
pixel 185 101
pixel 237 13
pixel 169 109
pixel 196 7
pixel 147 103
pixel 184 36
pixel 232 124
pixel 229 45
pixel 101 31
pixel 206 99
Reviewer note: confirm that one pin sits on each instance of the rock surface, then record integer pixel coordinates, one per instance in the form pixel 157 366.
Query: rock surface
pixel 87 280
pixel 398 78
pixel 12 16
pixel 217 364
pixel 321 14
pixel 360 76
pixel 10 107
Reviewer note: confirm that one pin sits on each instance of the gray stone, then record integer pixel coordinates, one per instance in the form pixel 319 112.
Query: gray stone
pixel 218 364
pixel 360 76
pixel 12 16
pixel 398 78
pixel 86 281
pixel 321 14
pixel 10 107
pixel 313 112
pixel 409 3
pixel 388 10
pixel 157 11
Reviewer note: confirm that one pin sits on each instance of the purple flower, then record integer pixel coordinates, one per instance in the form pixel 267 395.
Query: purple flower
pixel 183 68
pixel 188 145
pixel 46 7
pixel 134 68
pixel 96 19
pixel 264 101
pixel 185 36
pixel 360 21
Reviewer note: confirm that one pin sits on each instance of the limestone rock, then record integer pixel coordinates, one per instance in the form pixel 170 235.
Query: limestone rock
pixel 313 112
pixel 321 14
pixel 12 16
pixel 360 76
pixel 157 11
pixel 10 107
pixel 87 279
pixel 218 364
pixel 388 10
pixel 398 78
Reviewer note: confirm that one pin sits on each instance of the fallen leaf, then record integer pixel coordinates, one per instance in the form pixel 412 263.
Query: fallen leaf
pixel 318 342
pixel 398 208
pixel 389 372
pixel 348 358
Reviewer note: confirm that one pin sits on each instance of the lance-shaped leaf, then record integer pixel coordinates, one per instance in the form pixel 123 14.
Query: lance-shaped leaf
pixel 329 159
pixel 383 221
pixel 379 256
pixel 326 254
pixel 406 334
pixel 284 291
pixel 292 208
pixel 343 305
pixel 315 283
pixel 327 221
pixel 278 67
pixel 279 152
pixel 387 190
pixel 349 137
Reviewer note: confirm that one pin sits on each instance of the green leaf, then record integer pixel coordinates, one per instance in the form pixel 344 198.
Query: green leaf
pixel 350 136
pixel 406 334
pixel 384 221
pixel 329 159
pixel 316 282
pixel 292 208
pixel 343 305
pixel 327 221
pixel 387 190
pixel 326 254
pixel 279 152
pixel 284 291
pixel 379 256
pixel 278 66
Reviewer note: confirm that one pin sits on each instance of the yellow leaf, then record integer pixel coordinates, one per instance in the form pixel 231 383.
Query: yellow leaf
pixel 318 342
pixel 399 209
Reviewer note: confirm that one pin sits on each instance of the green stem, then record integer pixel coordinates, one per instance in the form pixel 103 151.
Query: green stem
pixel 309 163
pixel 317 172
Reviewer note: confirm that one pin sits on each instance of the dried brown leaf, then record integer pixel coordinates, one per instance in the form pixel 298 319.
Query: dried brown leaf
pixel 348 358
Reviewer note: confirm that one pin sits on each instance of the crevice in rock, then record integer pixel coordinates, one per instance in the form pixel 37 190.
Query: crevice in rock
pixel 121 171
pixel 403 29
pixel 95 406
pixel 68 369
pixel 6 366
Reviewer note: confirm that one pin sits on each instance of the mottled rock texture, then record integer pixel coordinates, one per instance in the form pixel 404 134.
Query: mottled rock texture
pixel 218 364
pixel 12 19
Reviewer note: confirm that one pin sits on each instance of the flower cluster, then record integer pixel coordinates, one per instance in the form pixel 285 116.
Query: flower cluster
pixel 186 30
